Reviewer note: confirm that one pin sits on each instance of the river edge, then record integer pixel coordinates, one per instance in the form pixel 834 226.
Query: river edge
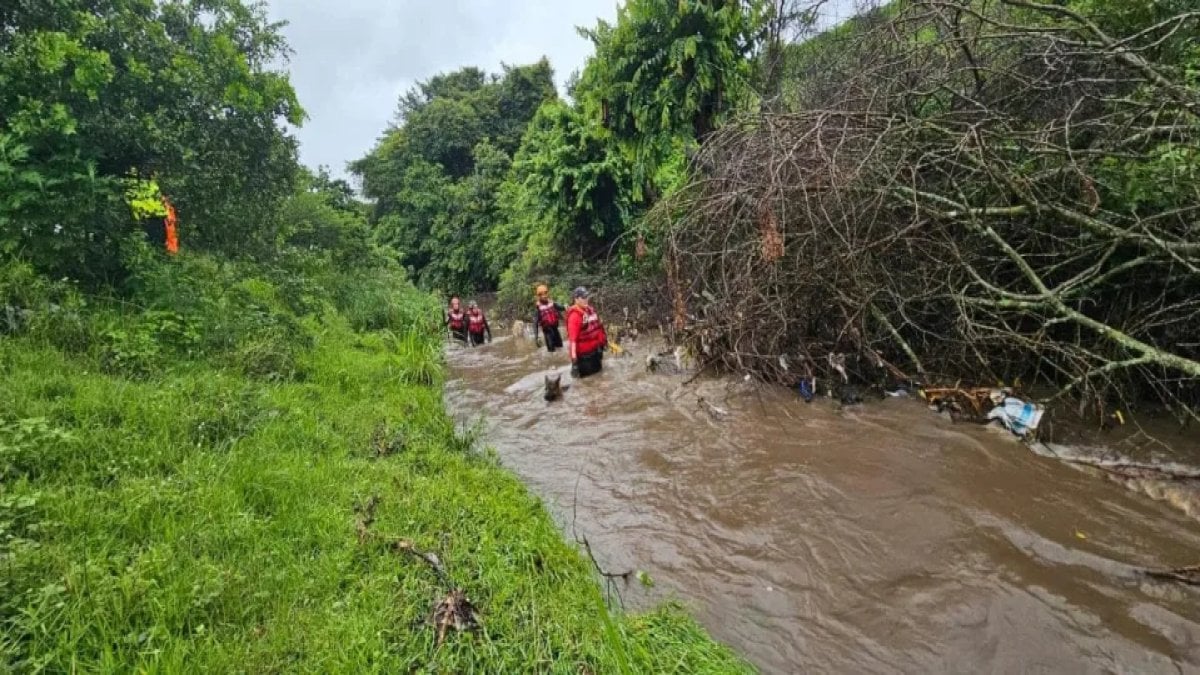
pixel 204 519
pixel 1149 437
pixel 700 498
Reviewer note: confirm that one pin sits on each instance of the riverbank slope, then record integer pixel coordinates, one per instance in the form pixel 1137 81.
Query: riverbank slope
pixel 214 480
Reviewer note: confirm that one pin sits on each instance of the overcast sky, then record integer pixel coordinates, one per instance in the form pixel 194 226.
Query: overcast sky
pixel 353 58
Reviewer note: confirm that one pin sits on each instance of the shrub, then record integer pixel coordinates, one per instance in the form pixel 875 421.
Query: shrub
pixel 34 305
pixel 384 299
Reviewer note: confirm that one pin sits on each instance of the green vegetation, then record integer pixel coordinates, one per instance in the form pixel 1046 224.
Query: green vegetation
pixel 92 101
pixel 236 458
pixel 233 459
pixel 179 490
pixel 435 178
pixel 478 187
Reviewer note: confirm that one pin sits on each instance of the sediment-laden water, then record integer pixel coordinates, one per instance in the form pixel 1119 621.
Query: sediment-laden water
pixel 877 538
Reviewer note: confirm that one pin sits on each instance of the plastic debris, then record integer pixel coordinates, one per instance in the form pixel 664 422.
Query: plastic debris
pixel 806 386
pixel 1019 417
pixel 838 363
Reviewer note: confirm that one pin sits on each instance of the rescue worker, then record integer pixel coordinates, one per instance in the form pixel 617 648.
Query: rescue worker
pixel 477 325
pixel 456 320
pixel 546 317
pixel 586 340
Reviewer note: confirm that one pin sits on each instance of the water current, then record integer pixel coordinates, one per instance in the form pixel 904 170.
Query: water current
pixel 814 538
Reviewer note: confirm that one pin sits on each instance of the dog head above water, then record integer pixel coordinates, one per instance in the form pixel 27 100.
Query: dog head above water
pixel 554 388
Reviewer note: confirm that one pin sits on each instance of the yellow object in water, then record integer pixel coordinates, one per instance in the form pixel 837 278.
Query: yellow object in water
pixel 616 348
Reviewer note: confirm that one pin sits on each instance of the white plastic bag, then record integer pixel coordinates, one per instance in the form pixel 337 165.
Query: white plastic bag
pixel 1018 416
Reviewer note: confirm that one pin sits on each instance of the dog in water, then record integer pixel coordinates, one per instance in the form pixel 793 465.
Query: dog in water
pixel 554 388
pixel 518 328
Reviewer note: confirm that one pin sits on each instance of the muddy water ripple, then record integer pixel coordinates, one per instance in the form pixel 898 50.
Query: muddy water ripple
pixel 879 538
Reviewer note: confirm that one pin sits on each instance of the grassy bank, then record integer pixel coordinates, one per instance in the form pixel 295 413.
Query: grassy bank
pixel 221 486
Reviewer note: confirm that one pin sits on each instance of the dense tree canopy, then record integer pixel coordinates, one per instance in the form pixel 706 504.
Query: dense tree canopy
pixel 567 192
pixel 668 70
pixel 95 94
pixel 435 176
pixel 565 185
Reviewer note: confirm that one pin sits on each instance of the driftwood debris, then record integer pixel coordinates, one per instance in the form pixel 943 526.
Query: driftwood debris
pixel 959 399
pixel 453 612
pixel 716 412
pixel 405 546
pixel 952 188
pixel 610 578
pixel 456 612
pixel 1123 468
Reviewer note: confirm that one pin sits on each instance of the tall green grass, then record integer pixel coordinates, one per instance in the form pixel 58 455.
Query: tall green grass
pixel 188 510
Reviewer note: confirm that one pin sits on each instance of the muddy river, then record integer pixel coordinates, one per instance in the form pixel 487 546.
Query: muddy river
pixel 878 538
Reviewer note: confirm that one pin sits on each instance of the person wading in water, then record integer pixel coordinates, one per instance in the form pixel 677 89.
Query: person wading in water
pixel 477 325
pixel 585 336
pixel 456 320
pixel 546 317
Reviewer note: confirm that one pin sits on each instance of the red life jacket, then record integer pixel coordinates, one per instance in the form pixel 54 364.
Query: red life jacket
pixel 457 320
pixel 475 323
pixel 547 315
pixel 591 332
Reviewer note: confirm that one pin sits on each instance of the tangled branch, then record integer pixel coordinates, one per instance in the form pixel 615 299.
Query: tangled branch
pixel 965 189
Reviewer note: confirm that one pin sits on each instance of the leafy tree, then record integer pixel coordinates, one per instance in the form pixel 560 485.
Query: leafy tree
pixel 458 85
pixel 519 94
pixel 323 216
pixel 336 191
pixel 435 177
pixel 667 69
pixel 664 75
pixel 423 193
pixel 445 132
pixel 92 91
pixel 455 246
pixel 567 192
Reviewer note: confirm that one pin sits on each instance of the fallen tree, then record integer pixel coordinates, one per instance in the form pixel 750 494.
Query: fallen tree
pixel 979 189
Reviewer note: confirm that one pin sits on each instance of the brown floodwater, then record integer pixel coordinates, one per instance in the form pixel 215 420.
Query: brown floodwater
pixel 876 538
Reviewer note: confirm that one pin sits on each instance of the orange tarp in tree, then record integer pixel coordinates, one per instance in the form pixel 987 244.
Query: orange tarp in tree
pixel 172 233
